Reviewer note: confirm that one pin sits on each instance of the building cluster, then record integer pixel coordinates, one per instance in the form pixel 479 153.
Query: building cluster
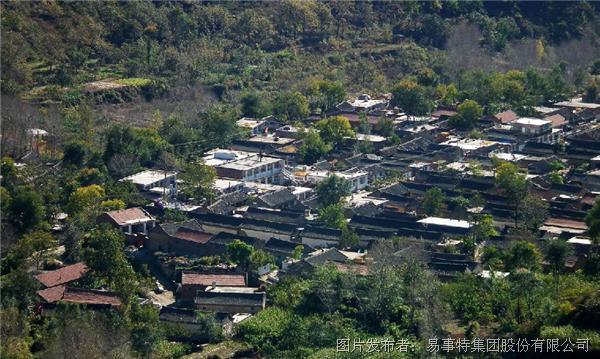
pixel 266 198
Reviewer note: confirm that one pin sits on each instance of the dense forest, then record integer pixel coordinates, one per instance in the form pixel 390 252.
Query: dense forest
pixel 123 86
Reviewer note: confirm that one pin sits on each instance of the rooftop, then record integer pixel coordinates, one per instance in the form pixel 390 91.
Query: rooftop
pixel 78 295
pixel 205 279
pixel 530 121
pixel 445 222
pixel 63 275
pixel 249 163
pixel 249 122
pixel 148 177
pixel 129 216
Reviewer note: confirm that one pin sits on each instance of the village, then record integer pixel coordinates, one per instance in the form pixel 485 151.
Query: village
pixel 435 189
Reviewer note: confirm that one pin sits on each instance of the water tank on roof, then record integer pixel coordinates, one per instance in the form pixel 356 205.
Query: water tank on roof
pixel 225 155
pixel 364 97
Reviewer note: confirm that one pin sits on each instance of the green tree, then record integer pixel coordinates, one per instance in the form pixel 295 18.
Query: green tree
pixel 290 106
pixel 105 256
pixel 298 252
pixel 433 201
pixel 469 112
pixel 385 126
pixel 592 219
pixel 259 258
pixel 446 94
pixel 26 208
pixel 217 126
pixel 75 153
pixel 513 185
pixel 198 181
pixel 333 216
pixel 484 228
pixel 349 238
pixel 313 147
pixel 332 189
pixel 112 205
pixel 325 95
pixel 240 253
pixel 556 253
pixel 334 129
pixel 411 97
pixel 31 249
pixel 85 198
pixel 255 105
pixel 534 210
pixel 555 177
pixel 524 254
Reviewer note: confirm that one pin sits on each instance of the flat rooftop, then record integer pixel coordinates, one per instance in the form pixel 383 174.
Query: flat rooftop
pixel 271 140
pixel 468 144
pixel 530 121
pixel 445 222
pixel 250 162
pixel 148 177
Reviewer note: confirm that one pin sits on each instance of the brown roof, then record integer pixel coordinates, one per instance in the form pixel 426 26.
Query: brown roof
pixel 63 275
pixel 80 296
pixel 557 120
pixel 565 223
pixel 51 295
pixel 354 118
pixel 507 116
pixel 128 216
pixel 229 280
pixel 440 113
pixel 192 235
pixel 88 296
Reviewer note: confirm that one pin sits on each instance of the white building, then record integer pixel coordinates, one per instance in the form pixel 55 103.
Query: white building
pixel 157 181
pixel 245 166
pixel 358 179
pixel 363 103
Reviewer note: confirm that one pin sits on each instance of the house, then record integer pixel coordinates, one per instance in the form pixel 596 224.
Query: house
pixel 557 120
pixel 245 166
pixel 230 302
pixel 288 131
pixel 283 198
pixel 94 298
pixel 532 126
pixel 130 221
pixel 363 103
pixel 62 275
pixel 345 261
pixel 256 126
pixel 537 130
pixel 184 238
pixel 156 181
pixel 178 319
pixel 358 179
pixel 505 117
pixel 225 186
pixel 376 141
pixel 192 282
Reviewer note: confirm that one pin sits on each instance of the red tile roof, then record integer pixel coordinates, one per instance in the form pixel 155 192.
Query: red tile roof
pixel 51 295
pixel 80 296
pixel 88 296
pixel 192 235
pixel 129 216
pixel 63 275
pixel 557 120
pixel 507 116
pixel 228 280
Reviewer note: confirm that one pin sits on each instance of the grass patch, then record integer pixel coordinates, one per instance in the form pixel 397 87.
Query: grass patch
pixel 137 82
